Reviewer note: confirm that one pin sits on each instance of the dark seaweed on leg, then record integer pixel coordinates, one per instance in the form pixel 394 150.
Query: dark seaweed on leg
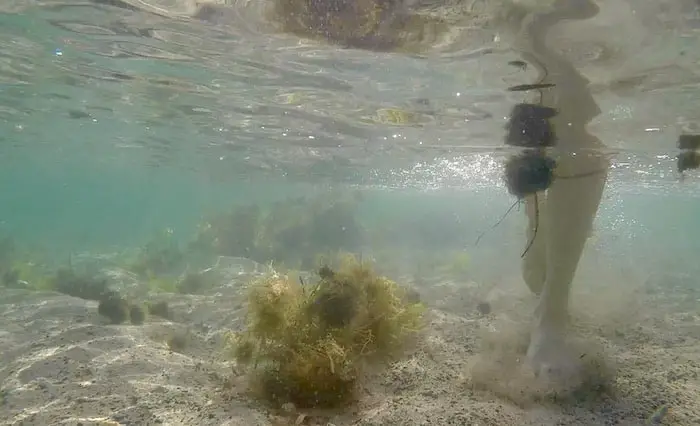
pixel 688 160
pixel 529 126
pixel 529 172
pixel 689 142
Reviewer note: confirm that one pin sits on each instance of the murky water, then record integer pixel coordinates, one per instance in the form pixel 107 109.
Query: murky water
pixel 121 120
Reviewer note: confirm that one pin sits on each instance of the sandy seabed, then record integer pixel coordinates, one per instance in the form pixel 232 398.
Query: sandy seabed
pixel 62 364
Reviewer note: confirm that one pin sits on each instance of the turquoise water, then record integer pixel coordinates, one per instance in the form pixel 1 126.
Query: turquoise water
pixel 119 126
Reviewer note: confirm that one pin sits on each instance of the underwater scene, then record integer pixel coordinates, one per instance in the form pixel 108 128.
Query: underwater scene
pixel 349 212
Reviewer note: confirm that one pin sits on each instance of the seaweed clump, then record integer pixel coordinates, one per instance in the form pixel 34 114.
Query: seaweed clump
pixel 159 256
pixel 83 286
pixel 529 173
pixel 119 310
pixel 159 309
pixel 308 344
pixel 291 231
pixel 113 307
pixel 137 314
pixel 177 342
pixel 375 25
pixel 532 170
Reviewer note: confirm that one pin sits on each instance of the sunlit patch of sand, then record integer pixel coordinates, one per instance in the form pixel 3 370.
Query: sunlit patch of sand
pixel 62 364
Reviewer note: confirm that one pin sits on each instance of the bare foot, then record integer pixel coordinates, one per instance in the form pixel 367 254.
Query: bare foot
pixel 553 360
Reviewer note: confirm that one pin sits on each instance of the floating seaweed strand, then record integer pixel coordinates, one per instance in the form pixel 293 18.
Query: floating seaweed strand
pixel 495 225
